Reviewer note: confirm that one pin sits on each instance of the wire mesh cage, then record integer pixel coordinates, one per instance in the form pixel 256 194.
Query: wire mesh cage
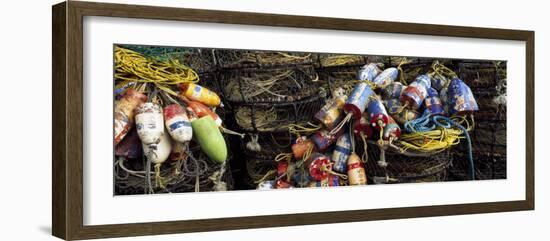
pixel 266 146
pixel 229 58
pixel 190 174
pixel 334 60
pixel 259 169
pixel 276 117
pixel 397 167
pixel 274 85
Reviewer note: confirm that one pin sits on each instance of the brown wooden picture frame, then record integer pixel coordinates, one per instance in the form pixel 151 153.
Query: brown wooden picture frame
pixel 67 137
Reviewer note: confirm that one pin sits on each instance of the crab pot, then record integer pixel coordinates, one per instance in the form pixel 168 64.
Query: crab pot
pixel 230 58
pixel 358 100
pixel 403 168
pixel 368 72
pixel 275 117
pixel 341 152
pixel 393 91
pixel 269 85
pixel 433 103
pixel 271 144
pixel 377 112
pixel 461 100
pixel 386 77
pixel 416 92
pixel 129 184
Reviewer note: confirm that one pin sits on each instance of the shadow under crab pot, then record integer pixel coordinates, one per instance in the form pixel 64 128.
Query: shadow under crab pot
pixel 386 77
pixel 416 92
pixel 461 100
pixel 377 112
pixel 368 72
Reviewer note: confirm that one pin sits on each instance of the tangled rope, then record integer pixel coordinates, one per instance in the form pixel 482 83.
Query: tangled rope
pixel 131 66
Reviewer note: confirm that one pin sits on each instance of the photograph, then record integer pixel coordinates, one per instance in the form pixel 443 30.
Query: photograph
pixel 193 119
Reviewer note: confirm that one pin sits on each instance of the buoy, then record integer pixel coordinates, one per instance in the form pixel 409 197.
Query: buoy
pixel 439 81
pixel 362 127
pixel 201 94
pixel 356 171
pixel 433 103
pixel 177 123
pixel 124 112
pixel 391 130
pixel 358 100
pixel 201 110
pixel 386 77
pixel 341 152
pixel 393 91
pixel 159 152
pixel 378 116
pixel 414 94
pixel 320 168
pixel 130 146
pixel 210 139
pixel 368 72
pixel 323 139
pixel 149 123
pixel 331 113
pixel 330 181
pixel 461 100
pixel 301 146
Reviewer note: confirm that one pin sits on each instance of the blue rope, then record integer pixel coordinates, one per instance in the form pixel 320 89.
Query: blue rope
pixel 450 122
pixel 420 124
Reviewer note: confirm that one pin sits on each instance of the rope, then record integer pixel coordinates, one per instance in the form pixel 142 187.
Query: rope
pixel 438 120
pixel 131 66
pixel 420 124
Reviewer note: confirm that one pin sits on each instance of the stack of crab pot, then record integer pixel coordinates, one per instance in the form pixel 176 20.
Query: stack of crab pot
pixel 179 172
pixel 266 93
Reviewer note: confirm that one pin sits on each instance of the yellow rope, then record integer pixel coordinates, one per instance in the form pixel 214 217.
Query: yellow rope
pixel 131 66
pixel 431 141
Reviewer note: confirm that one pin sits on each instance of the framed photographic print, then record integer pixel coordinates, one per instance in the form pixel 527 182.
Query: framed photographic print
pixel 218 120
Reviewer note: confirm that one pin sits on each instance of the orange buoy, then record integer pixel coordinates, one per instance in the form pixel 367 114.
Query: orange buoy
pixel 356 171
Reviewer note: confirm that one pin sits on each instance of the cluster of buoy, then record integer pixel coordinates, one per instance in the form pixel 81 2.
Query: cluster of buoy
pixel 376 110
